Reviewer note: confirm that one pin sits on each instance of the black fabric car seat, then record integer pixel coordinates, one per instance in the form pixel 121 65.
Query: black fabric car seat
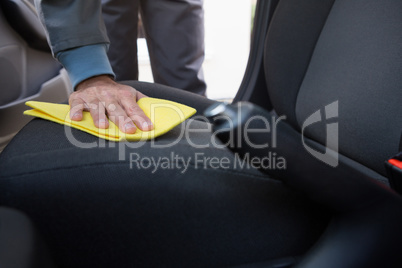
pixel 318 53
pixel 333 68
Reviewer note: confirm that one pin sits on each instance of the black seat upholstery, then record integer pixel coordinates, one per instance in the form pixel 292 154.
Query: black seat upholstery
pixel 94 210
pixel 98 209
pixel 345 51
pixel 339 61
pixel 20 244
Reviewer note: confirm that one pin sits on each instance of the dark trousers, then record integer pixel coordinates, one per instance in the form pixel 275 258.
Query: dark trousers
pixel 175 37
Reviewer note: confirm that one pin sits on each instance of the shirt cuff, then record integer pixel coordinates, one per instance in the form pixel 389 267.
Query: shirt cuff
pixel 84 62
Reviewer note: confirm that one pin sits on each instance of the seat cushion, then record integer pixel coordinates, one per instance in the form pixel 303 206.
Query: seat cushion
pixel 104 204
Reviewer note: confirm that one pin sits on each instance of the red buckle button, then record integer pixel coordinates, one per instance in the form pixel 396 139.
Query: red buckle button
pixel 395 163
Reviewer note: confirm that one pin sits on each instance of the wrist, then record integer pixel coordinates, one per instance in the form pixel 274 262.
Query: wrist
pixel 95 81
pixel 85 62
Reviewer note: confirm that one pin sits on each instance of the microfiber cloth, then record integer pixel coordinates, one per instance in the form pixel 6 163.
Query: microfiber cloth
pixel 164 114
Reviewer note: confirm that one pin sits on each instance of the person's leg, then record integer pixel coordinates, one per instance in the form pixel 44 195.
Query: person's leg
pixel 175 35
pixel 121 20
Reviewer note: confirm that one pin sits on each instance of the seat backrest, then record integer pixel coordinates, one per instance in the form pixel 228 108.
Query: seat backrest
pixel 349 51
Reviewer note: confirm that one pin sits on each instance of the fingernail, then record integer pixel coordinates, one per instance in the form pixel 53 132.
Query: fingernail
pixel 76 115
pixel 129 126
pixel 102 123
pixel 146 125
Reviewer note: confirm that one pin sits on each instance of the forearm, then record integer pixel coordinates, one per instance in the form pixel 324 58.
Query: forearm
pixel 70 24
pixel 77 36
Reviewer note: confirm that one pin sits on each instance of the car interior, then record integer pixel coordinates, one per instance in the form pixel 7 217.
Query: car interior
pixel 327 73
pixel 28 70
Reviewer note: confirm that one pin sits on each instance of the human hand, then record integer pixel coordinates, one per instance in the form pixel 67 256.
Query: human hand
pixel 103 98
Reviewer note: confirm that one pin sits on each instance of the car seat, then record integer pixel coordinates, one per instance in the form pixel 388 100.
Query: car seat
pixel 340 57
pixel 20 244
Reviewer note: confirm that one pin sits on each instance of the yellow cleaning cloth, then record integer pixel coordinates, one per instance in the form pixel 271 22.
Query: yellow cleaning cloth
pixel 164 114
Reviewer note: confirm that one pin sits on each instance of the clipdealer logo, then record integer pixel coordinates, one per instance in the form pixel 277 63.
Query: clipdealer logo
pixel 330 156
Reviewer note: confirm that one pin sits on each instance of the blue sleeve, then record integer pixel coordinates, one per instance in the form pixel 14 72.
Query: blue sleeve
pixel 84 62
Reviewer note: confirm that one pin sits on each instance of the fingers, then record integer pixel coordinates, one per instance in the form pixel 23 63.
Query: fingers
pixel 97 110
pixel 136 114
pixel 76 107
pixel 103 98
pixel 118 116
pixel 98 114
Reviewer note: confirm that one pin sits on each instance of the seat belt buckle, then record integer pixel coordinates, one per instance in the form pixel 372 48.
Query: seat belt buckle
pixel 394 172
